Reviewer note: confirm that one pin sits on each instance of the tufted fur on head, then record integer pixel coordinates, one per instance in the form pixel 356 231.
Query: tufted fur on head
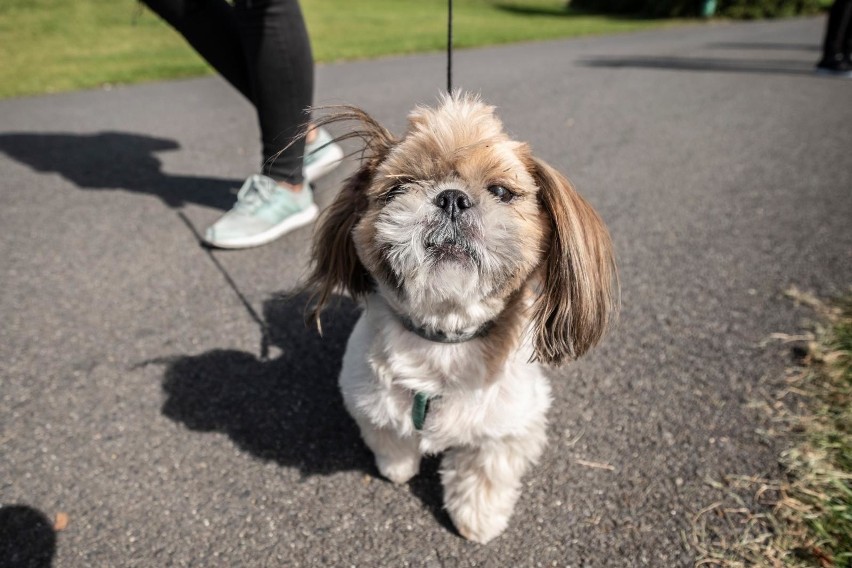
pixel 474 260
pixel 573 273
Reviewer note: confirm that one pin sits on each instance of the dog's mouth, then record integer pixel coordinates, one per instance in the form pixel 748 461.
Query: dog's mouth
pixel 451 250
pixel 451 241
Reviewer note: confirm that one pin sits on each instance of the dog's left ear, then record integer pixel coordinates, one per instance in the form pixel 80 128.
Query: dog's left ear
pixel 579 279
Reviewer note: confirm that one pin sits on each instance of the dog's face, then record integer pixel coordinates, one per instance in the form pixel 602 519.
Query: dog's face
pixel 455 219
pixel 453 225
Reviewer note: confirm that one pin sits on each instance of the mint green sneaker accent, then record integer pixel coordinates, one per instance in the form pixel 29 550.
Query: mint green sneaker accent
pixel 264 211
pixel 321 156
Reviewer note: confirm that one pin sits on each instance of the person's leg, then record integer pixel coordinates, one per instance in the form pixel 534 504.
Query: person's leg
pixel 281 74
pixel 847 39
pixel 261 47
pixel 835 45
pixel 211 29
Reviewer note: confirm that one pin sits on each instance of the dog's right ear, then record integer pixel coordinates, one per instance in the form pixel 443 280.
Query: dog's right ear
pixel 336 266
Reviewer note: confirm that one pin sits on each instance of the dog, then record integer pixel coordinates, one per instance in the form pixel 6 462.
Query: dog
pixel 476 264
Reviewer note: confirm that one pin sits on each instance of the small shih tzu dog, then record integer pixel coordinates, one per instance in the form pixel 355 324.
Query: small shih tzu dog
pixel 475 262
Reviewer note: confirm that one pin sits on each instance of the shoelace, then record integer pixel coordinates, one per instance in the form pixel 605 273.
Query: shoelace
pixel 254 193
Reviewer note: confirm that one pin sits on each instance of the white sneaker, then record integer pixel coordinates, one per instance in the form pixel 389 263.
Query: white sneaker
pixel 321 156
pixel 264 211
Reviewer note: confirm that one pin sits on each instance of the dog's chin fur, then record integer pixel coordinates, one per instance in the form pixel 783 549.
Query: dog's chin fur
pixel 528 275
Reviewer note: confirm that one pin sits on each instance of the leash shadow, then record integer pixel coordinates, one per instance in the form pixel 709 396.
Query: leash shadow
pixel 116 160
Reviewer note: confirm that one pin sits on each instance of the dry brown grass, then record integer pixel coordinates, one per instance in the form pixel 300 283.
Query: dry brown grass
pixel 804 519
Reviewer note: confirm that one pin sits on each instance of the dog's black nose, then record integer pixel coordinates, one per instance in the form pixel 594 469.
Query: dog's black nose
pixel 453 202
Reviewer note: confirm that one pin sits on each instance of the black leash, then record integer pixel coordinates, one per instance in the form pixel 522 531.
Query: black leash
pixel 450 47
pixel 264 329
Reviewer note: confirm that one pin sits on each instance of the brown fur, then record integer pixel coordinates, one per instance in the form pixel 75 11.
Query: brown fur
pixel 336 264
pixel 579 260
pixel 502 340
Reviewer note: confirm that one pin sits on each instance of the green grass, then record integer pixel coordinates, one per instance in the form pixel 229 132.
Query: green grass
pixel 59 45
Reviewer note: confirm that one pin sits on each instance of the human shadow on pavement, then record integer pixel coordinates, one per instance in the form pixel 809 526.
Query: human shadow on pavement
pixel 703 64
pixel 116 160
pixel 766 46
pixel 287 409
pixel 27 538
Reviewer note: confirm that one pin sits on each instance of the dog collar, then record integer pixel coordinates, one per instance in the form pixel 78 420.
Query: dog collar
pixel 440 336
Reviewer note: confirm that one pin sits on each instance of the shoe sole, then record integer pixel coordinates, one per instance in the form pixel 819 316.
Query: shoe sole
pixel 332 155
pixel 290 223
pixel 833 73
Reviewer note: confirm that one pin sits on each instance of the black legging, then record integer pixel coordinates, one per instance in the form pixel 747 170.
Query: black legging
pixel 262 48
pixel 838 33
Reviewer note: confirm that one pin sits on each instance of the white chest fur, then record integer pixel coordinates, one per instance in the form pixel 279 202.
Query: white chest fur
pixel 385 365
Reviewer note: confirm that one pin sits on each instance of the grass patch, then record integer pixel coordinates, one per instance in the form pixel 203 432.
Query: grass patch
pixel 805 519
pixel 59 45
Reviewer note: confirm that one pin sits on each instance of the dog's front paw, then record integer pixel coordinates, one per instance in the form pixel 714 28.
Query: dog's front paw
pixel 398 469
pixel 478 526
pixel 481 487
pixel 479 507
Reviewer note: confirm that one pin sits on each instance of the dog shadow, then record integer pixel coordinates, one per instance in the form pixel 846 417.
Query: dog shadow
pixel 286 409
pixel 116 160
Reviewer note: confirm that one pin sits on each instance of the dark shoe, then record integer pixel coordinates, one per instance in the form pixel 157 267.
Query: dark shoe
pixel 841 68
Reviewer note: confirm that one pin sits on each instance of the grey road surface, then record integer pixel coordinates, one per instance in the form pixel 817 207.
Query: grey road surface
pixel 139 397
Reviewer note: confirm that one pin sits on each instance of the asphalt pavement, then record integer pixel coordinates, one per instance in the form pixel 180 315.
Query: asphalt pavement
pixel 170 402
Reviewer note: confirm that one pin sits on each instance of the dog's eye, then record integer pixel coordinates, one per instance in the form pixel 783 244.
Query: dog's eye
pixel 501 193
pixel 393 192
